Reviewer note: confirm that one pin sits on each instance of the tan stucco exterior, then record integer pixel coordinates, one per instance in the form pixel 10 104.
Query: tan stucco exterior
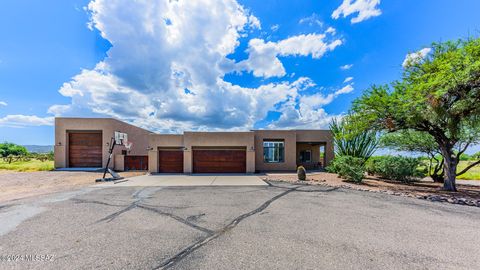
pixel 138 136
pixel 147 143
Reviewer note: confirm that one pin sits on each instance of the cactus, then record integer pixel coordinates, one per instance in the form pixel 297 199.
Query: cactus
pixel 301 173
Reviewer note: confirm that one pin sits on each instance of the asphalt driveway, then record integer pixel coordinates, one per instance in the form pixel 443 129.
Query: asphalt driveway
pixel 255 227
pixel 168 180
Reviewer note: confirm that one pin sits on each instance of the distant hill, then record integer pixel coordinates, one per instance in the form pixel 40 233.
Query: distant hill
pixel 39 148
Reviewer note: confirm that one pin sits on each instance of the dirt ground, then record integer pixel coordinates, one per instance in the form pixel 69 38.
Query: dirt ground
pixel 17 185
pixel 416 189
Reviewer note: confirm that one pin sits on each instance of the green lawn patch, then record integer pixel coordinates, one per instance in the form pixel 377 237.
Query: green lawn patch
pixel 472 174
pixel 27 166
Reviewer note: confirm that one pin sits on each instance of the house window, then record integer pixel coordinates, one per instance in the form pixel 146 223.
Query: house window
pixel 306 156
pixel 273 151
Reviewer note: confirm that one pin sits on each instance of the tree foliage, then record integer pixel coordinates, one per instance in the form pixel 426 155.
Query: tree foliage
pixel 11 149
pixel 438 96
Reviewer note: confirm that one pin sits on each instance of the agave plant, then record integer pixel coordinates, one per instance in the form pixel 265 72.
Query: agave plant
pixel 350 140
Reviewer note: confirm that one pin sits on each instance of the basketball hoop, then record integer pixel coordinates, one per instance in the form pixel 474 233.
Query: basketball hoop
pixel 128 145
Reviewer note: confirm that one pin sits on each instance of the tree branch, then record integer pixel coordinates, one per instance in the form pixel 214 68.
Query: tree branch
pixel 468 167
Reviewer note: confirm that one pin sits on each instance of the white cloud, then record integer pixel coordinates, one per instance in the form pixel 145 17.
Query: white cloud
pixel 263 56
pixel 19 120
pixel 348 79
pixel 275 27
pixel 346 67
pixel 311 20
pixel 3 103
pixel 365 9
pixel 345 90
pixel 166 67
pixel 416 57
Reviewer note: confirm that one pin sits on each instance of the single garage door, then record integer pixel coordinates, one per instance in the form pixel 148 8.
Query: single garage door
pixel 137 163
pixel 219 160
pixel 170 160
pixel 85 149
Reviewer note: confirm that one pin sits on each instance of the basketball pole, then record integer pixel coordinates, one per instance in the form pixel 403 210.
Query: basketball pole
pixel 110 153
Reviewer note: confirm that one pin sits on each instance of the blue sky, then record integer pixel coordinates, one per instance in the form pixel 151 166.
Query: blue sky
pixel 207 65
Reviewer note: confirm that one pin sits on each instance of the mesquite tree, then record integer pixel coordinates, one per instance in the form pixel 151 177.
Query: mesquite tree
pixel 438 95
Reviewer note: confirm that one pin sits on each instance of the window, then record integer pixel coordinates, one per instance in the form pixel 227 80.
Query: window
pixel 305 156
pixel 273 151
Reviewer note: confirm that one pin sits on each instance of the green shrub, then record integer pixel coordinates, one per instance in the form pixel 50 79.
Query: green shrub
pixel 395 167
pixel 301 173
pixel 349 168
pixel 7 149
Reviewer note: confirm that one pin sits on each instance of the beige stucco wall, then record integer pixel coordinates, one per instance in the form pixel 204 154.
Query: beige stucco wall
pixel 108 126
pixel 289 138
pixel 161 140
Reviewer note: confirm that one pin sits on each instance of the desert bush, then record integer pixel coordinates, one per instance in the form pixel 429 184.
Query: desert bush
pixel 395 167
pixel 301 173
pixel 348 167
pixel 7 149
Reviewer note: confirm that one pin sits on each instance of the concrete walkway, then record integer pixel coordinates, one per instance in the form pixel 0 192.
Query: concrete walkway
pixel 162 180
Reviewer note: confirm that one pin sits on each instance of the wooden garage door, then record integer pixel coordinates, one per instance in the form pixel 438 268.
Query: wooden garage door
pixel 170 160
pixel 219 160
pixel 85 149
pixel 138 163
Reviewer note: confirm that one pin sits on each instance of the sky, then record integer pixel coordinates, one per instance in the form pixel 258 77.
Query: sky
pixel 170 66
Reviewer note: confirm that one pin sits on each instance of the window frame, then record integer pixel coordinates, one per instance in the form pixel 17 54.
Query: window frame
pixel 275 148
pixel 302 160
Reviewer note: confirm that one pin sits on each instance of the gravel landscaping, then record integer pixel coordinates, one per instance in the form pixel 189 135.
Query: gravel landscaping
pixel 466 194
pixel 16 185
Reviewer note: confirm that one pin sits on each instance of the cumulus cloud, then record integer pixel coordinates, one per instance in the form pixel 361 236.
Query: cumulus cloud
pixel 165 70
pixel 3 103
pixel 365 9
pixel 263 56
pixel 416 57
pixel 346 67
pixel 19 120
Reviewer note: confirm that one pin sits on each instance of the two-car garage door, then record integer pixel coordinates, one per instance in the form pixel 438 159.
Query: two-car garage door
pixel 204 160
pixel 218 160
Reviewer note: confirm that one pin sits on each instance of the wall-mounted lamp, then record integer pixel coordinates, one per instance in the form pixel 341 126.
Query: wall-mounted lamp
pixel 149 148
pixel 185 149
pixel 59 143
pixel 252 148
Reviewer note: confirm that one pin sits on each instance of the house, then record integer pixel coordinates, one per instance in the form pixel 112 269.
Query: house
pixel 84 142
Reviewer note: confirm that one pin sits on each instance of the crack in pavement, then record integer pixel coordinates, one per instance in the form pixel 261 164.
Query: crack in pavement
pixel 96 202
pixel 177 218
pixel 138 195
pixel 186 251
pixel 203 241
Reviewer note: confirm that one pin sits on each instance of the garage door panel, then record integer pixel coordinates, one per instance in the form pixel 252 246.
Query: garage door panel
pixel 219 161
pixel 170 161
pixel 85 149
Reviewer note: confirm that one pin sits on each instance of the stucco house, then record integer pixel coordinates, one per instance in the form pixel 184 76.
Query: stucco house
pixel 84 142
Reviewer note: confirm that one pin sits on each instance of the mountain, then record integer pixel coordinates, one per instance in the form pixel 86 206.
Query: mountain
pixel 39 148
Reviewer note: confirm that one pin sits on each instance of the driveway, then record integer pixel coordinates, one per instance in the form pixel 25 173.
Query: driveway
pixel 279 226
pixel 162 180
